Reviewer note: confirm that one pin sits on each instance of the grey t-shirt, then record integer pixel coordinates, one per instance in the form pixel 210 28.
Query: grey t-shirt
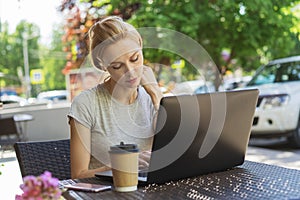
pixel 111 122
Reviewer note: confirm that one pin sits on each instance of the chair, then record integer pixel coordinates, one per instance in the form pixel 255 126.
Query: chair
pixel 8 132
pixel 38 156
pixel 21 123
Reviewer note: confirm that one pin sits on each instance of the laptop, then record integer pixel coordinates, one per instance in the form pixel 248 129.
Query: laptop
pixel 199 134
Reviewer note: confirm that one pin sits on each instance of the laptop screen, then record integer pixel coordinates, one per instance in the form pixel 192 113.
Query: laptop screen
pixel 201 133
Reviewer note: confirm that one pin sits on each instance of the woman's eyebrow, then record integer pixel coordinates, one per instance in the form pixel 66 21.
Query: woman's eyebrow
pixel 134 53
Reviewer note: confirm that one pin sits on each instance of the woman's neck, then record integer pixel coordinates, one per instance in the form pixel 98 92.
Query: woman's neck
pixel 122 94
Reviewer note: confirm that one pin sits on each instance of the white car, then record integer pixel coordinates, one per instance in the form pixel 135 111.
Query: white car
pixel 278 109
pixel 192 87
pixel 54 95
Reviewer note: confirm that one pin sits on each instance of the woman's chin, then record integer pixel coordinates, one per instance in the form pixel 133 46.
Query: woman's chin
pixel 132 86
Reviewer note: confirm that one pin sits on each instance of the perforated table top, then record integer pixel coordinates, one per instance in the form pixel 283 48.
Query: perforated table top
pixel 251 180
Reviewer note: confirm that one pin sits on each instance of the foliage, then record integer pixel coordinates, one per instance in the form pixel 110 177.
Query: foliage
pixel 42 187
pixel 48 57
pixel 1 166
pixel 235 33
pixel 242 28
pixel 252 32
pixel 76 28
pixel 12 57
pixel 53 61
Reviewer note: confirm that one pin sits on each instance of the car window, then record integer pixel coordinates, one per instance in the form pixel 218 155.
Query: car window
pixel 265 75
pixel 288 72
pixel 294 72
pixel 277 73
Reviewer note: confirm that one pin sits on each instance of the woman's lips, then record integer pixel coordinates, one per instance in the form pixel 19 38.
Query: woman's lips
pixel 132 81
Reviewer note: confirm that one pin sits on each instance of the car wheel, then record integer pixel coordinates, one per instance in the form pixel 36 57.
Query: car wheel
pixel 295 137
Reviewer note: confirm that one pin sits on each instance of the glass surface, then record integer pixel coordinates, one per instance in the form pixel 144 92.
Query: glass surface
pixel 284 72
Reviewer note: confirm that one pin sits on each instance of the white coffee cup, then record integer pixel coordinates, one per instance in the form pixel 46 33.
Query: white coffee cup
pixel 124 164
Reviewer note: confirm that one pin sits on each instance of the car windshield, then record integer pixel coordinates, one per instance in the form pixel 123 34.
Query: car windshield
pixel 276 73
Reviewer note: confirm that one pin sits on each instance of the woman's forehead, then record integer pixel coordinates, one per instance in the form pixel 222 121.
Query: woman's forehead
pixel 122 48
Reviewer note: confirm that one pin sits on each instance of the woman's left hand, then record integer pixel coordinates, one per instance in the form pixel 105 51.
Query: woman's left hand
pixel 151 86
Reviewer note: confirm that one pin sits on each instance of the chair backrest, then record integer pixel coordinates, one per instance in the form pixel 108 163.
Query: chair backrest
pixel 38 156
pixel 8 131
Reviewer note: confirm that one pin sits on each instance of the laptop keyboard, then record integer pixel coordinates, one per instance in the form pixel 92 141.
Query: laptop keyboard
pixel 143 173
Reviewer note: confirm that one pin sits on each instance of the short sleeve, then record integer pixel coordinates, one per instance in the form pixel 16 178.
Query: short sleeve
pixel 81 109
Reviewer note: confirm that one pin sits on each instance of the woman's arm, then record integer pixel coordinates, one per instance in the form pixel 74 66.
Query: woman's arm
pixel 80 146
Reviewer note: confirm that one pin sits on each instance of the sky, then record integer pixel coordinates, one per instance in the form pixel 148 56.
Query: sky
pixel 40 12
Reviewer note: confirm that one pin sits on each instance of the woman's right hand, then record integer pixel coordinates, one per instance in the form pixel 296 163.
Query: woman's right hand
pixel 144 159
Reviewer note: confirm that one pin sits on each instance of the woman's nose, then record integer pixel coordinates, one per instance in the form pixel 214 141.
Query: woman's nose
pixel 129 68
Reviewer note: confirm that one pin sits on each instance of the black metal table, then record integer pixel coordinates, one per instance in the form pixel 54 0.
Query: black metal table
pixel 251 180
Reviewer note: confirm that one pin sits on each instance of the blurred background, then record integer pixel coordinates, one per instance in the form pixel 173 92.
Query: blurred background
pixel 44 43
pixel 43 50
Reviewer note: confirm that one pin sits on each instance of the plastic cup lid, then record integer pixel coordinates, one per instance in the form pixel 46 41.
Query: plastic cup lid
pixel 124 148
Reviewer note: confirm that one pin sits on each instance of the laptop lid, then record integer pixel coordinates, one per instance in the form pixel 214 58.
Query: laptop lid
pixel 201 133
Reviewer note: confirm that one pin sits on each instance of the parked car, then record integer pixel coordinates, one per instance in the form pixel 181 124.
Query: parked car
pixel 278 108
pixel 187 87
pixel 11 97
pixel 7 92
pixel 233 83
pixel 193 87
pixel 54 95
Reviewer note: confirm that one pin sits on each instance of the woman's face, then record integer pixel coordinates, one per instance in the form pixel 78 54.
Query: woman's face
pixel 124 61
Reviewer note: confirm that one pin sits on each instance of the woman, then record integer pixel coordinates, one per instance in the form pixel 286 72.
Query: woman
pixel 120 109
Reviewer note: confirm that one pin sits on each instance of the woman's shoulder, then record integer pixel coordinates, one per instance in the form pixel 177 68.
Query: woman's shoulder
pixel 142 92
pixel 87 94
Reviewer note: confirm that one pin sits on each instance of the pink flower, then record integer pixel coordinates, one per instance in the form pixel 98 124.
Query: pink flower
pixel 38 188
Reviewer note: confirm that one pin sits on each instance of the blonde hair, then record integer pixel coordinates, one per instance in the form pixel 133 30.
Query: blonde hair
pixel 106 31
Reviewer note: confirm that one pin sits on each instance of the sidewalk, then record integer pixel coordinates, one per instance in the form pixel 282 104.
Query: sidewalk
pixel 10 179
pixel 274 157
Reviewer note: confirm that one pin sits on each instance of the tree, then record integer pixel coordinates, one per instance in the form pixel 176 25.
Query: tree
pixel 243 28
pixel 12 46
pixel 53 61
pixel 252 32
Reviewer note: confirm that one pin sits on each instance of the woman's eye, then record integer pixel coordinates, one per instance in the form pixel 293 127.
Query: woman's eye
pixel 116 66
pixel 134 59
